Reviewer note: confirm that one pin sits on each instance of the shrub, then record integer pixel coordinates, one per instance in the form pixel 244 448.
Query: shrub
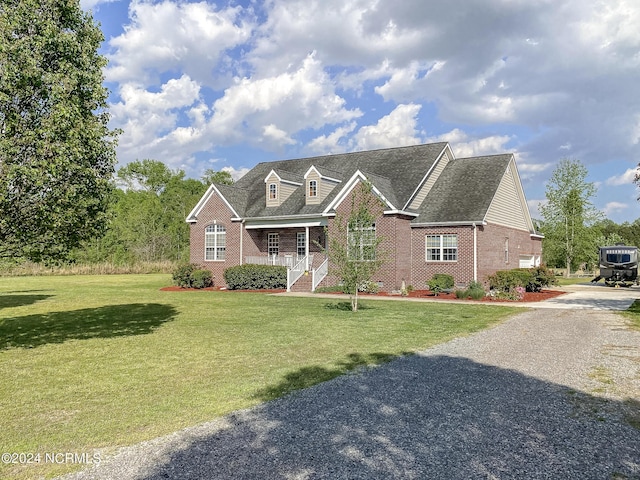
pixel 187 275
pixel 256 277
pixel 532 279
pixel 476 293
pixel 461 294
pixel 542 277
pixel 369 287
pixel 440 282
pixel 202 279
pixel 183 275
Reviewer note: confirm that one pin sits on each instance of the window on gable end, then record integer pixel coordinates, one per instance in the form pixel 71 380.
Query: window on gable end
pixel 313 188
pixel 362 242
pixel 215 243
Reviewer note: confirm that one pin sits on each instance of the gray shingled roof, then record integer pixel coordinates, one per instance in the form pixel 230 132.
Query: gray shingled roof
pixel 464 190
pixel 401 168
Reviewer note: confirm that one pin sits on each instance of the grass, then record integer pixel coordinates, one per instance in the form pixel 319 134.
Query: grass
pixel 97 362
pixel 633 315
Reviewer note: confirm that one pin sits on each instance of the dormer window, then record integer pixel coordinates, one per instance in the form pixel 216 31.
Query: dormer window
pixel 273 191
pixel 313 188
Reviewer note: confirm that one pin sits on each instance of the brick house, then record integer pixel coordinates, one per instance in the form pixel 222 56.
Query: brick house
pixel 467 217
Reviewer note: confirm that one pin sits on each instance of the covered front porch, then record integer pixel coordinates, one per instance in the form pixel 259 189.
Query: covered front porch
pixel 300 248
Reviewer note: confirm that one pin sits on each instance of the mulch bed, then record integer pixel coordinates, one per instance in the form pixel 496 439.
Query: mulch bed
pixel 528 296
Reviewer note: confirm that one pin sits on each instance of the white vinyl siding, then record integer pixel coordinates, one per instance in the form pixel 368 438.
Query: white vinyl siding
pixel 507 207
pixel 428 184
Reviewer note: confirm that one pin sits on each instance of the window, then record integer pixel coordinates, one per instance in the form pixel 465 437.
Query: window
pixel 215 242
pixel 506 250
pixel 313 188
pixel 273 191
pixel 273 244
pixel 441 248
pixel 301 242
pixel 362 243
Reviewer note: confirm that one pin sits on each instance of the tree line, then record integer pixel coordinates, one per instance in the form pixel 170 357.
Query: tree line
pixel 573 228
pixel 146 216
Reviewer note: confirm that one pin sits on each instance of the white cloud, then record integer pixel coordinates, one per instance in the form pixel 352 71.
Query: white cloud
pixel 326 144
pixel 149 120
pixel 626 178
pixel 465 146
pixel 166 36
pixel 393 130
pixel 271 110
pixel 614 207
pixel 236 174
pixel 534 207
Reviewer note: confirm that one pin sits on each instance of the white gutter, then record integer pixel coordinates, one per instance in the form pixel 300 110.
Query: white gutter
pixel 400 212
pixel 448 224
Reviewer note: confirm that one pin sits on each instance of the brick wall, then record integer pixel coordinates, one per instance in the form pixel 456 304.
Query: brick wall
pixel 216 211
pixel 490 246
pixel 421 270
pixel 395 232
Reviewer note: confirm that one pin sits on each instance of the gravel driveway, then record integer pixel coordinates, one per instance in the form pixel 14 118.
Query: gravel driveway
pixel 539 396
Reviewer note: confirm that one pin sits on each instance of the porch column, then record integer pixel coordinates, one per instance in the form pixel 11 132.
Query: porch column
pixel 306 248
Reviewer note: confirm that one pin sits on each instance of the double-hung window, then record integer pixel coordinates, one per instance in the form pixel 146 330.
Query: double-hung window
pixel 273 191
pixel 362 242
pixel 215 242
pixel 313 188
pixel 273 244
pixel 441 248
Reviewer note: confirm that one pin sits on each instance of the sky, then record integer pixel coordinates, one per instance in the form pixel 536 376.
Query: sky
pixel 226 85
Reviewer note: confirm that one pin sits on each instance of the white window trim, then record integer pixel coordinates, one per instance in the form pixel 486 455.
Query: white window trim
pixel 441 248
pixel 315 189
pixel 300 235
pixel 360 247
pixel 275 191
pixel 215 234
pixel 275 236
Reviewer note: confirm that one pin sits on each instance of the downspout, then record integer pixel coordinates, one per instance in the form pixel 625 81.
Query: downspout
pixel 475 252
pixel 241 235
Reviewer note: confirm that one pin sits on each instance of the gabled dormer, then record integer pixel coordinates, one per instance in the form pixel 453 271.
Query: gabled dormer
pixel 280 184
pixel 318 184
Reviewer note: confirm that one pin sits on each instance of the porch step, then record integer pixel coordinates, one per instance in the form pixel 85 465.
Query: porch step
pixel 303 284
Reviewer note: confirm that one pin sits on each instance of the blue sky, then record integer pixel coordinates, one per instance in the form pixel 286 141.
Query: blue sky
pixel 228 84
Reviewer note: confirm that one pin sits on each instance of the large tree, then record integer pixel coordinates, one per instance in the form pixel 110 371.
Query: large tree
pixel 569 213
pixel 57 154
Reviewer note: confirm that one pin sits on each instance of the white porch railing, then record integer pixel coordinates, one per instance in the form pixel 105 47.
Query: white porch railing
pixel 295 272
pixel 280 260
pixel 318 274
pixel 296 266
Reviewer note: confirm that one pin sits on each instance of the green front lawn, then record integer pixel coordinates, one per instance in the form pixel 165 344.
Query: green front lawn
pixel 96 362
